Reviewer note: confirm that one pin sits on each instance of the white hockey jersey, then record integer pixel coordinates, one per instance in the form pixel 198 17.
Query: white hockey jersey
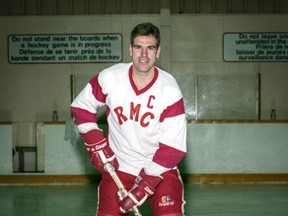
pixel 147 127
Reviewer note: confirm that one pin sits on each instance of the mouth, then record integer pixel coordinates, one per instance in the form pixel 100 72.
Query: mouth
pixel 144 60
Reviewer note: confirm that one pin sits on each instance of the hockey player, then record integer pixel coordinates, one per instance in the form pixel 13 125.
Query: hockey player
pixel 147 130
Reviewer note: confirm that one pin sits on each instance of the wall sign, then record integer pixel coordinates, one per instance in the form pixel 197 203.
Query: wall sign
pixel 251 47
pixel 84 48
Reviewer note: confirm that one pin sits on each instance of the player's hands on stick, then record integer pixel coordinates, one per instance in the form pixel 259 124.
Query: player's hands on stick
pixel 144 187
pixel 100 153
pixel 122 191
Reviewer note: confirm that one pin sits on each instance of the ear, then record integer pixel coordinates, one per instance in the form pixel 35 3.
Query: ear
pixel 130 50
pixel 158 52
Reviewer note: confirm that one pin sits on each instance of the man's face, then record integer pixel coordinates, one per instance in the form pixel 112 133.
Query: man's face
pixel 144 53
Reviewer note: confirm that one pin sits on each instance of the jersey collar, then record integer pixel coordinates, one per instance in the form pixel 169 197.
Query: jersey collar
pixel 138 92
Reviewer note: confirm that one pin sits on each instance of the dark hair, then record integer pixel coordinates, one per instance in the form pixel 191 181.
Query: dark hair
pixel 145 29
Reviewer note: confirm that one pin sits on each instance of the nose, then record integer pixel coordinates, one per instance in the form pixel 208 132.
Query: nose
pixel 144 52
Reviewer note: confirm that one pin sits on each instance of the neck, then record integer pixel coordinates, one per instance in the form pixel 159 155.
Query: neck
pixel 142 79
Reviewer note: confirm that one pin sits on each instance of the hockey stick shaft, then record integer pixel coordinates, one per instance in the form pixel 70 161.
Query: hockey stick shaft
pixel 110 168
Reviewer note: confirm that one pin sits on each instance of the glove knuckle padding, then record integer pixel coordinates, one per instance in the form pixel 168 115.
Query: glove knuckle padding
pixel 136 197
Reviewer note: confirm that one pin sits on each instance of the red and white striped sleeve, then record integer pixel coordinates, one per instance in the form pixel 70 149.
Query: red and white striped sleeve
pixel 84 109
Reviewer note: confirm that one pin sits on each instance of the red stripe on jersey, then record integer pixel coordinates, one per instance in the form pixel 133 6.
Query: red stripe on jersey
pixel 92 136
pixel 82 115
pixel 173 110
pixel 167 156
pixel 97 89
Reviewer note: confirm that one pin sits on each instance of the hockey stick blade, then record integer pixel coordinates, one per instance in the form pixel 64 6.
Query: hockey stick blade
pixel 111 170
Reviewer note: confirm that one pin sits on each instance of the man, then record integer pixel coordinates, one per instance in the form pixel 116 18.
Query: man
pixel 147 130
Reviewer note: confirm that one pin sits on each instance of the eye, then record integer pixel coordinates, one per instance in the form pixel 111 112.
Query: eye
pixel 136 46
pixel 152 47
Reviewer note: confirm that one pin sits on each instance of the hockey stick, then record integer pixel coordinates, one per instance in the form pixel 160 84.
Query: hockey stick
pixel 110 168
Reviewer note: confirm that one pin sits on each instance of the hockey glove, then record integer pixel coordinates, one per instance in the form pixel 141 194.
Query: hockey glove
pixel 144 187
pixel 100 153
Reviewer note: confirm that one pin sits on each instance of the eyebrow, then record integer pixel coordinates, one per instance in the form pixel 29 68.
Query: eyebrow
pixel 151 46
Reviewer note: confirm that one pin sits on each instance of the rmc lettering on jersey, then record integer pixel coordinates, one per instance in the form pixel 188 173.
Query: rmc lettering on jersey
pixel 134 115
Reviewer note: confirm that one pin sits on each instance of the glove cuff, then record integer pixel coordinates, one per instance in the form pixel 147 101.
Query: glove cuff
pixel 148 183
pixel 96 146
